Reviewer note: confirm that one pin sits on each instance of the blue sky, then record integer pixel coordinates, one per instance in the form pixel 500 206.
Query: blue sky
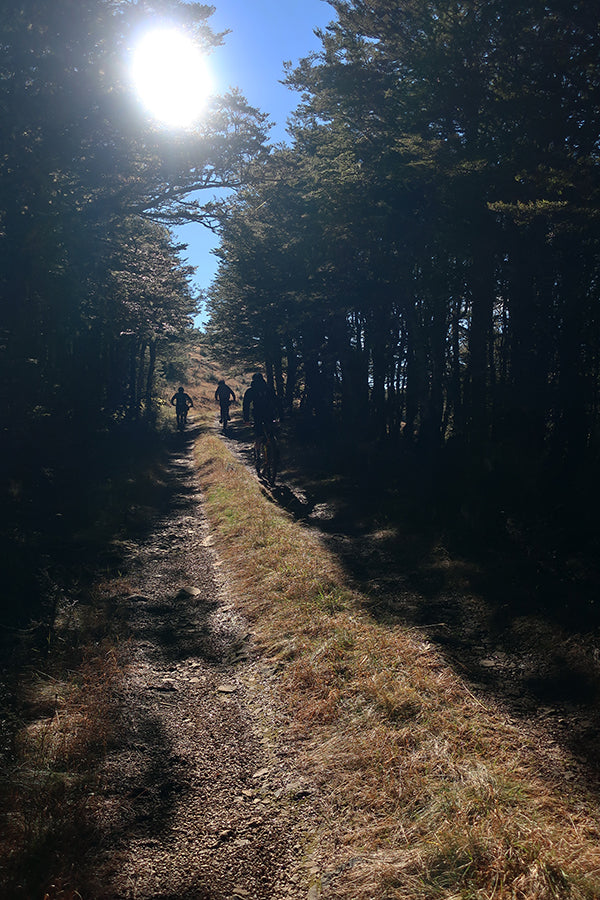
pixel 264 33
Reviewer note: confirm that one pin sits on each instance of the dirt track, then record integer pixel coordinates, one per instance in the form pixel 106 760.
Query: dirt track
pixel 200 801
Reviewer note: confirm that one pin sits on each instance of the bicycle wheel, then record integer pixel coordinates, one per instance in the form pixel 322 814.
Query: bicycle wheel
pixel 271 460
pixel 258 454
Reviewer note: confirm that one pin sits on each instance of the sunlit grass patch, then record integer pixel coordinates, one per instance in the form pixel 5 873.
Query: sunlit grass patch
pixel 428 792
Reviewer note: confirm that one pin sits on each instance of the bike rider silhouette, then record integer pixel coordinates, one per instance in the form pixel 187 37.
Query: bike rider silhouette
pixel 225 395
pixel 182 403
pixel 261 398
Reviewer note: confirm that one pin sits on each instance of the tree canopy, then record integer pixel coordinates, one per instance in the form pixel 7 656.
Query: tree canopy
pixel 424 259
pixel 91 282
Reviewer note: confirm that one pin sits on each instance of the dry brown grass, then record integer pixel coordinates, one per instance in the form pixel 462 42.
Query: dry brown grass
pixel 428 792
pixel 203 377
pixel 67 717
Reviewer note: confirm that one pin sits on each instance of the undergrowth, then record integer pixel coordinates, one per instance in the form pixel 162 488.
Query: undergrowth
pixel 62 665
pixel 66 718
pixel 431 792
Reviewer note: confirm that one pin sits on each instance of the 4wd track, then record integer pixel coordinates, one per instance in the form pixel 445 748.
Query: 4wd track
pixel 197 801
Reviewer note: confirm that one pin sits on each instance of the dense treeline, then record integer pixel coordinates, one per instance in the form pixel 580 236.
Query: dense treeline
pixel 423 261
pixel 91 284
pixel 95 300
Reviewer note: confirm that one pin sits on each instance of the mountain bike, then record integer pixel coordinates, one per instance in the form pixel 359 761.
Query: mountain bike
pixel 266 455
pixel 225 417
pixel 181 416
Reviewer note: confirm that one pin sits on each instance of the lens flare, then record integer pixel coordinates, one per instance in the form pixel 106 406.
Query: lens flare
pixel 171 77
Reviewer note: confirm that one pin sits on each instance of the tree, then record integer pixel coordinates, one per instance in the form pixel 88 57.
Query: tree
pixel 149 291
pixel 435 224
pixel 81 169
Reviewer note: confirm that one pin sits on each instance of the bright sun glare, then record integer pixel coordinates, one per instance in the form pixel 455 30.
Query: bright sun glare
pixel 171 77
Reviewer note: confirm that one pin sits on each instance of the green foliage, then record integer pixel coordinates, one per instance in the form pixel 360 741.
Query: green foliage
pixel 425 258
pixel 91 284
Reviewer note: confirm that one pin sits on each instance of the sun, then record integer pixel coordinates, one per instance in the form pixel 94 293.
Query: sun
pixel 171 77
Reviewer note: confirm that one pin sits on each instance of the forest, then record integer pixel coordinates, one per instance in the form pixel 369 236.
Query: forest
pixel 97 303
pixel 421 265
pixel 416 270
pixel 378 675
pixel 93 285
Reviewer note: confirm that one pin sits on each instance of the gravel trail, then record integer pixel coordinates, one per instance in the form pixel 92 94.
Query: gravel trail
pixel 201 800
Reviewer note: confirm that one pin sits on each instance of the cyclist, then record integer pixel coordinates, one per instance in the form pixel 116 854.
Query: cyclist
pixel 225 395
pixel 182 403
pixel 263 401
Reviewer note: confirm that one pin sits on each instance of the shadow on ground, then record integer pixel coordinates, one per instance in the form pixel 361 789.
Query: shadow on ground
pixel 516 618
pixel 70 526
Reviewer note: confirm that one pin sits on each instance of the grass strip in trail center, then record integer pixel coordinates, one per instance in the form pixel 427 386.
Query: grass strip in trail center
pixel 427 791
